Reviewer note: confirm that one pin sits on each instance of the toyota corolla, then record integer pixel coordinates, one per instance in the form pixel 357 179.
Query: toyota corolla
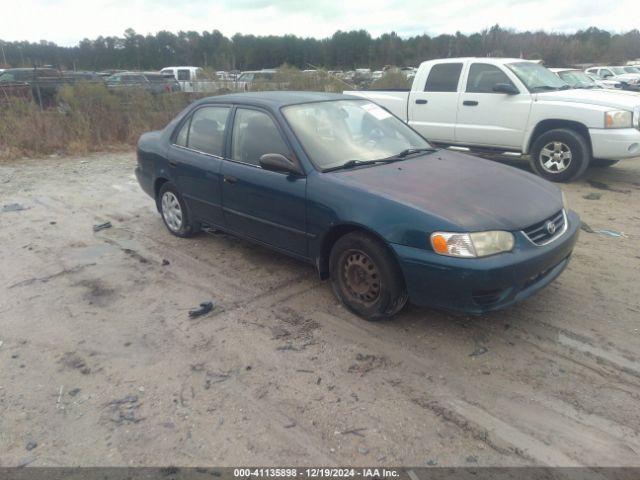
pixel 341 183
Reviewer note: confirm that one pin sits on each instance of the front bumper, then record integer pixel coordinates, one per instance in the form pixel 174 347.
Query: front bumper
pixel 615 143
pixel 479 285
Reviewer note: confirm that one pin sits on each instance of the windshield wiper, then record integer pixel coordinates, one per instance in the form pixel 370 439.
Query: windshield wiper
pixel 393 158
pixel 410 151
pixel 352 163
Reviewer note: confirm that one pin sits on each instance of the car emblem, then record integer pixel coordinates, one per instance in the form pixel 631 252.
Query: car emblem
pixel 551 228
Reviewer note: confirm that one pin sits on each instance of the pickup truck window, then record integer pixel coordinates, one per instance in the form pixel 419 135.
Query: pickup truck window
pixel 255 134
pixel 183 75
pixel 482 78
pixel 333 133
pixel 443 77
pixel 536 77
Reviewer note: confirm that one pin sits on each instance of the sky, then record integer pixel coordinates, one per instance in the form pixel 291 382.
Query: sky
pixel 66 22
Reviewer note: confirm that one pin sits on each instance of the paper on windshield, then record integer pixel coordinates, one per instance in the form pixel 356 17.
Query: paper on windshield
pixel 378 112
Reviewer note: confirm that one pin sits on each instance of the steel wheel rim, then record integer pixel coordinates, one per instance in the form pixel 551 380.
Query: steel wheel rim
pixel 171 211
pixel 361 277
pixel 555 157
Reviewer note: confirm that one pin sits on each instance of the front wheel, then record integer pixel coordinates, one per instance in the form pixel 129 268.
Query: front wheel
pixel 366 277
pixel 560 155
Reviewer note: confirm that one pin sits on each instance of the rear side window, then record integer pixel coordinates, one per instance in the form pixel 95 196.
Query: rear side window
pixel 204 131
pixel 443 77
pixel 482 78
pixel 183 75
pixel 254 134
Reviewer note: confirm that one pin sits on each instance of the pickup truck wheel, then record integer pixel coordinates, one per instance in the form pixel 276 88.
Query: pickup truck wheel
pixel 174 212
pixel 560 155
pixel 366 277
pixel 600 162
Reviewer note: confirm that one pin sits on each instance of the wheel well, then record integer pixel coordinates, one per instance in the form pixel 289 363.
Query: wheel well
pixel 546 125
pixel 333 236
pixel 156 189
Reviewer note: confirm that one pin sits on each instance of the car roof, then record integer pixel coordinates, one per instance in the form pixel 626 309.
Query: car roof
pixel 276 99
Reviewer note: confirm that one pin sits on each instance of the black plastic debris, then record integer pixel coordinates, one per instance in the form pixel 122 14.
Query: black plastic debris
pixel 102 226
pixel 479 351
pixel 205 307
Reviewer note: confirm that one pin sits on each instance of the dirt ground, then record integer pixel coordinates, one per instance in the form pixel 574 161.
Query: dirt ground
pixel 101 365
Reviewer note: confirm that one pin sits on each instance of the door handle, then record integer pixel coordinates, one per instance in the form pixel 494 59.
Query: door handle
pixel 229 179
pixel 421 101
pixel 470 103
pixel 172 163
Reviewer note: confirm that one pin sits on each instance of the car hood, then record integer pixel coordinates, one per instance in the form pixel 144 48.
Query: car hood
pixel 602 98
pixel 467 193
pixel 625 77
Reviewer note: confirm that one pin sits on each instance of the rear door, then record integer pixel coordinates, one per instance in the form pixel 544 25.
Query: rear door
pixel 489 118
pixel 261 204
pixel 195 157
pixel 432 111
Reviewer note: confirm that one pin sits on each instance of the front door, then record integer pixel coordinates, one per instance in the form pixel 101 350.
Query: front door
pixel 261 204
pixel 195 158
pixel 486 117
pixel 432 112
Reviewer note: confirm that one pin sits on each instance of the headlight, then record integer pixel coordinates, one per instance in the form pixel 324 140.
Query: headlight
pixel 618 119
pixel 470 245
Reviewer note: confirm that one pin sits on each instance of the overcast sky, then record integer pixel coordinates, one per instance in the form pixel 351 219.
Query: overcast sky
pixel 66 22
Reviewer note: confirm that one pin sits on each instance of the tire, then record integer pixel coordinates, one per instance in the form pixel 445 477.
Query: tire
pixel 560 155
pixel 601 163
pixel 366 278
pixel 174 212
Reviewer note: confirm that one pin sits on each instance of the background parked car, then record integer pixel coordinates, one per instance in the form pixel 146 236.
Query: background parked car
pixel 153 82
pixel 41 84
pixel 629 79
pixel 250 80
pixel 576 78
pixel 605 83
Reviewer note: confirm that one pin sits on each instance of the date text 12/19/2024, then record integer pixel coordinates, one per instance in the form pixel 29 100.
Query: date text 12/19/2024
pixel 309 472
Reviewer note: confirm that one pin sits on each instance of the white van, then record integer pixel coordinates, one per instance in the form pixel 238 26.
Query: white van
pixel 191 79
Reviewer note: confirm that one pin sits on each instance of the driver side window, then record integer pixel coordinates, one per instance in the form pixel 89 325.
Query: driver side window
pixel 482 77
pixel 255 134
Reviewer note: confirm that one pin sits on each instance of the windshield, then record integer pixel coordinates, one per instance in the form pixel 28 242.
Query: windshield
pixel 632 70
pixel 577 79
pixel 537 78
pixel 334 133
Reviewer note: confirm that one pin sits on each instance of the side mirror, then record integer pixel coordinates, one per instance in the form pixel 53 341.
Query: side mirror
pixel 505 88
pixel 278 163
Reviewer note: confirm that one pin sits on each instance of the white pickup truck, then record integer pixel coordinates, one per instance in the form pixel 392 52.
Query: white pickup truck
pixel 514 105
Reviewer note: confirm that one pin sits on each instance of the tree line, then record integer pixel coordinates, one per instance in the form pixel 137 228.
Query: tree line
pixel 343 50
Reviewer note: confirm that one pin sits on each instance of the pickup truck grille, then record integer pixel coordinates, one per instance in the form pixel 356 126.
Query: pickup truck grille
pixel 548 229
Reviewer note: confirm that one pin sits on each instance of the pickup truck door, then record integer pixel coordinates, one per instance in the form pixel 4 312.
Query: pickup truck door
pixel 195 157
pixel 264 205
pixel 432 106
pixel 486 117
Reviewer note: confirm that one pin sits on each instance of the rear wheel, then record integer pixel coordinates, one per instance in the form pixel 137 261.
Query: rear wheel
pixel 174 212
pixel 601 163
pixel 560 155
pixel 366 277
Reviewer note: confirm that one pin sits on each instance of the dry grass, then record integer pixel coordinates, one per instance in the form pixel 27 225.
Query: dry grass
pixel 88 117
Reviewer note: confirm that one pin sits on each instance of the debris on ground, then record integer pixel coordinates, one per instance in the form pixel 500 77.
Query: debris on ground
pixel 472 459
pixel 367 363
pixel 205 307
pixel 612 233
pixel 479 351
pixel 123 411
pixel 31 445
pixel 74 391
pixel 102 226
pixel 592 196
pixel 354 431
pixel 165 262
pixel 585 227
pixel 13 207
pixel 432 463
pixel 363 450
pixel 213 378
